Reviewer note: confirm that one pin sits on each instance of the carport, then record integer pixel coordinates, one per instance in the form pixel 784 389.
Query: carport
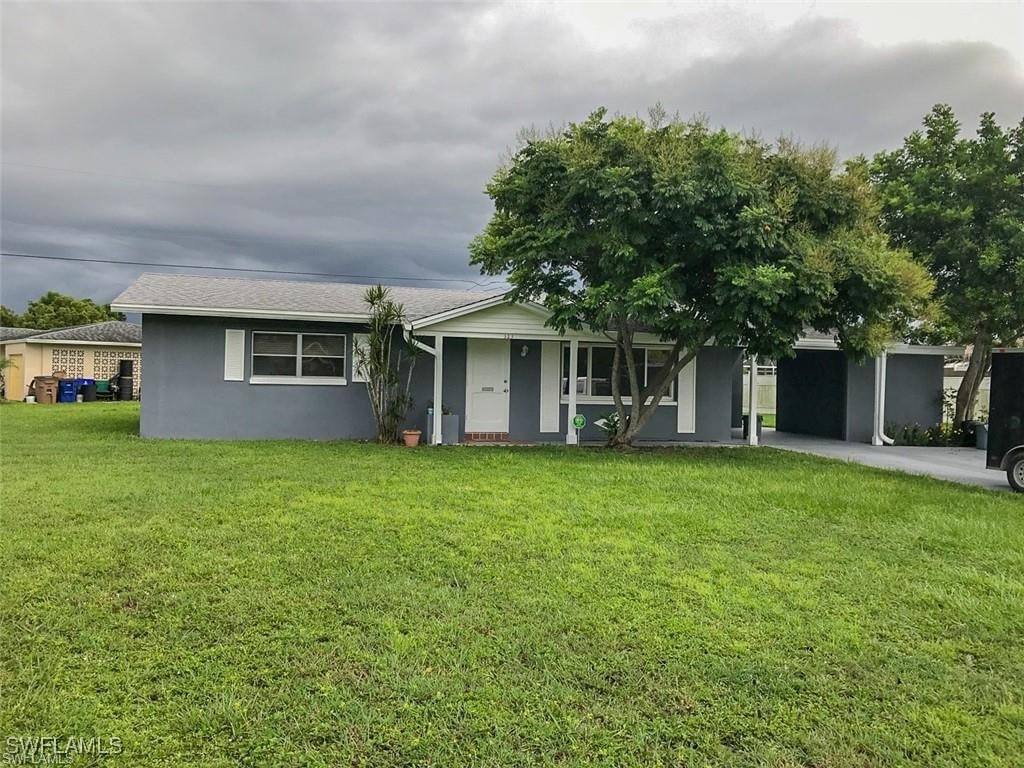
pixel 823 392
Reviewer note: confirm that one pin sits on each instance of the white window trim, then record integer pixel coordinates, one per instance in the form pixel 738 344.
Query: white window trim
pixel 298 378
pixel 608 399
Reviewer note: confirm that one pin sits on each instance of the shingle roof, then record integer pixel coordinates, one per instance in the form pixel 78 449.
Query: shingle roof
pixel 10 334
pixel 110 332
pixel 182 292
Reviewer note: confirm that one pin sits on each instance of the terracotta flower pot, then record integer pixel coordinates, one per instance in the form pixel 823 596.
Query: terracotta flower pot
pixel 411 437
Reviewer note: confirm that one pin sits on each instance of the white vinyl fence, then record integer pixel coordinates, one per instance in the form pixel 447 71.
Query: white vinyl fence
pixel 766 389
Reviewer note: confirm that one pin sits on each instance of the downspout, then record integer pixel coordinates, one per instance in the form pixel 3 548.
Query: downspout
pixel 878 436
pixel 752 418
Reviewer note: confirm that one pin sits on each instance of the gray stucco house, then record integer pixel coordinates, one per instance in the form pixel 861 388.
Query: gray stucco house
pixel 235 358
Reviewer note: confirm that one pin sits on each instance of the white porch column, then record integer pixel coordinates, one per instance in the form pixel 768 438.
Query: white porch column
pixel 752 428
pixel 570 433
pixel 435 439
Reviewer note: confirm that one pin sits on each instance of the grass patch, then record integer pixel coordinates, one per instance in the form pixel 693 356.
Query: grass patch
pixel 327 604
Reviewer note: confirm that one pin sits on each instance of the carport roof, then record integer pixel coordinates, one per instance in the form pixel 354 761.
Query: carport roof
pixel 812 339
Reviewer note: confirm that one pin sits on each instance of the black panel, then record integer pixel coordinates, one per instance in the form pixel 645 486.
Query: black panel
pixel 1006 405
pixel 737 392
pixel 811 393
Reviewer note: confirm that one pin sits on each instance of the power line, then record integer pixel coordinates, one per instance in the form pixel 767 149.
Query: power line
pixel 477 283
pixel 471 283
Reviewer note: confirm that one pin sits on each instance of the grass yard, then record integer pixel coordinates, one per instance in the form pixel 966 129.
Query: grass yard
pixel 294 604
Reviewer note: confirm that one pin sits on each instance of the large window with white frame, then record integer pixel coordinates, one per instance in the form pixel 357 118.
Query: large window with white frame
pixel 594 371
pixel 301 358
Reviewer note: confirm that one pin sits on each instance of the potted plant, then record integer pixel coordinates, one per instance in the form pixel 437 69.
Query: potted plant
pixel 411 437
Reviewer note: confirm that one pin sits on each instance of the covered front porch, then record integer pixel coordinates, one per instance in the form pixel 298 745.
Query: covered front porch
pixel 510 378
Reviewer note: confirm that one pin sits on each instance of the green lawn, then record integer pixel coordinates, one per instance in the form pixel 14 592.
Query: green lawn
pixel 295 604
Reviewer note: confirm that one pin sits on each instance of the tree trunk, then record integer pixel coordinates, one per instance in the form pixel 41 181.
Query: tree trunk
pixel 620 410
pixel 635 402
pixel 623 435
pixel 967 394
pixel 655 391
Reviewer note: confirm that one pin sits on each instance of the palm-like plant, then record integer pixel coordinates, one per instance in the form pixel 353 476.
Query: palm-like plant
pixel 386 365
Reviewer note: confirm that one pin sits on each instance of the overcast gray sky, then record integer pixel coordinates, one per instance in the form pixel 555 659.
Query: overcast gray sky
pixel 357 138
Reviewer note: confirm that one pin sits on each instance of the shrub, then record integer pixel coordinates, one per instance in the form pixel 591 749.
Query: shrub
pixel 937 435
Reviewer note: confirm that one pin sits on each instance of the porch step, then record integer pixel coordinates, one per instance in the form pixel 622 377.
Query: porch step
pixel 487 437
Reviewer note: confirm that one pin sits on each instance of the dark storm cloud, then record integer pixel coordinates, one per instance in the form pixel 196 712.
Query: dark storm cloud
pixel 357 138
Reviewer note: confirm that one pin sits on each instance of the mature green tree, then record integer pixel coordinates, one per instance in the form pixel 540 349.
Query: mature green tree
pixel 55 310
pixel 658 225
pixel 9 318
pixel 957 204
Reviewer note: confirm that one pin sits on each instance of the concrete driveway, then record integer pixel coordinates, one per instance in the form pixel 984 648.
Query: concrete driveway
pixel 960 465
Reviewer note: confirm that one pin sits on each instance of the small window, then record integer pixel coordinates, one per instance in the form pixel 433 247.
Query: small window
pixel 601 359
pixel 323 355
pixel 273 354
pixel 298 356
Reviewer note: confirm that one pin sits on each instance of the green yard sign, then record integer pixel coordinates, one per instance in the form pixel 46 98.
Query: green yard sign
pixel 579 421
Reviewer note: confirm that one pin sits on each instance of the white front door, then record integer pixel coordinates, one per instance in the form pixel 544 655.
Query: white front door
pixel 487 363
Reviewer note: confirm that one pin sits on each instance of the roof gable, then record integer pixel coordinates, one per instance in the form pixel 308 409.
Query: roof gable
pixel 495 316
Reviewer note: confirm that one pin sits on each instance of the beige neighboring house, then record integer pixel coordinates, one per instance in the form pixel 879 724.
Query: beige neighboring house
pixel 84 351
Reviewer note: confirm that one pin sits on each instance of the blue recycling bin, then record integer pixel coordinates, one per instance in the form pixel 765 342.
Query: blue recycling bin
pixel 67 390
